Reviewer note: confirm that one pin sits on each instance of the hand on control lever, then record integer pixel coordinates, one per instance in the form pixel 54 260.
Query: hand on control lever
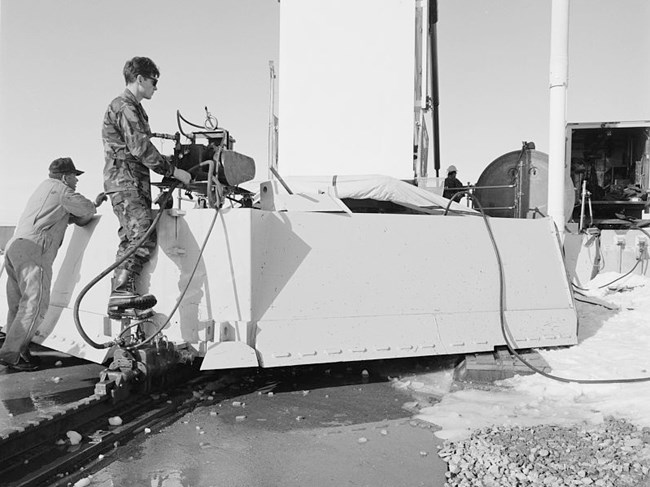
pixel 182 175
pixel 99 199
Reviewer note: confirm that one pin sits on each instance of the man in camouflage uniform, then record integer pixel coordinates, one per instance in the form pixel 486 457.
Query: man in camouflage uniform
pixel 31 253
pixel 129 155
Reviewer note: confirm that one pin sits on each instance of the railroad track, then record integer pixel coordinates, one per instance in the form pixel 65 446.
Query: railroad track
pixel 33 455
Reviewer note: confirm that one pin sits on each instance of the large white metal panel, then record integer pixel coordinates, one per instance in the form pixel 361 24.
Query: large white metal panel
pixel 328 265
pixel 219 292
pixel 346 87
pixel 218 297
pixel 338 287
pixel 302 287
pixel 347 338
pixel 80 258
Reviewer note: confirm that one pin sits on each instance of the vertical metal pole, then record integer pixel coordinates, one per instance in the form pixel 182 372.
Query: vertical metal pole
pixel 435 98
pixel 524 202
pixel 582 205
pixel 645 164
pixel 420 89
pixel 517 202
pixel 522 183
pixel 272 149
pixel 559 68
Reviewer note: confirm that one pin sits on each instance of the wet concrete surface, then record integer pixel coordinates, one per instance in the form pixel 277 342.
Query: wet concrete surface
pixel 316 426
pixel 312 425
pixel 387 453
pixel 60 380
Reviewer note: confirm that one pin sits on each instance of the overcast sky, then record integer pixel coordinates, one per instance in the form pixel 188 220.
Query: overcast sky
pixel 61 63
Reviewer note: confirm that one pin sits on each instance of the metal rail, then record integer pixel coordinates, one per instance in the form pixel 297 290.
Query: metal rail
pixel 29 456
pixel 472 189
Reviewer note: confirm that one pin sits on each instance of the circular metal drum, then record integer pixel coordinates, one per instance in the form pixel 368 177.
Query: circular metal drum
pixel 496 188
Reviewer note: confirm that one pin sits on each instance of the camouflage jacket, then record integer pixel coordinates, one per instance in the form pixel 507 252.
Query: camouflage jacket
pixel 129 153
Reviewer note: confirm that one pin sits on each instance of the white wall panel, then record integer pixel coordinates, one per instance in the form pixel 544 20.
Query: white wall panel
pixel 346 87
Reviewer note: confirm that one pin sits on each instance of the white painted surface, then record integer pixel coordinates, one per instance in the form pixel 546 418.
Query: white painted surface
pixel 305 287
pixel 559 81
pixel 622 251
pixel 612 346
pixel 346 87
pixel 340 287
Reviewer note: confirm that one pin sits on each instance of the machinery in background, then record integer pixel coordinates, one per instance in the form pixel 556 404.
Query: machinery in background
pixel 610 168
pixel 610 165
pixel 608 183
pixel 515 185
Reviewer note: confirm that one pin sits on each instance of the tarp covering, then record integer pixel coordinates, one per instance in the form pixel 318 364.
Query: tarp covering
pixel 375 187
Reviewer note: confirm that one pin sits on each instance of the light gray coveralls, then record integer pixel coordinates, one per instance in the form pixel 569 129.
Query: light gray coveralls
pixel 29 257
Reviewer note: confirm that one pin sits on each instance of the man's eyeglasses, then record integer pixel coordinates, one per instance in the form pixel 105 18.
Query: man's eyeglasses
pixel 154 81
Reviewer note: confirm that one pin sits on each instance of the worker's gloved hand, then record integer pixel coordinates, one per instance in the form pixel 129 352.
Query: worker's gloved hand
pixel 164 200
pixel 183 176
pixel 100 198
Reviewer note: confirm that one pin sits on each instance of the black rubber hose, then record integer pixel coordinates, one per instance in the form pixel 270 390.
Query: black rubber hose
pixel 138 244
pixel 110 268
pixel 180 298
pixel 505 331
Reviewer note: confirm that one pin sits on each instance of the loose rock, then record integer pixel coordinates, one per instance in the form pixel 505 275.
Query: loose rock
pixel 115 421
pixel 73 437
pixel 612 454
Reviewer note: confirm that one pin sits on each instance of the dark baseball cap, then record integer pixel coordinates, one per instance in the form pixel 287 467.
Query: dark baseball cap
pixel 64 165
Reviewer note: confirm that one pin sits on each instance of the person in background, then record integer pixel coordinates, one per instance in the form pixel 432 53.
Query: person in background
pixel 452 184
pixel 30 253
pixel 129 155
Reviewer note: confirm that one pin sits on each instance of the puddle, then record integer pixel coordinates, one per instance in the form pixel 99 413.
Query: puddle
pixel 14 411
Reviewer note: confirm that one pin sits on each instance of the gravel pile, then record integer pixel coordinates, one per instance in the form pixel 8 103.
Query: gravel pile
pixel 612 454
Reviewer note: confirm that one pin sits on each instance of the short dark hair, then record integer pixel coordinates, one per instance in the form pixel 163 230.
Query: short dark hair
pixel 140 66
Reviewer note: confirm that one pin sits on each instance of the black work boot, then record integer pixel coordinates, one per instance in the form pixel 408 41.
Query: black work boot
pixel 125 302
pixel 26 363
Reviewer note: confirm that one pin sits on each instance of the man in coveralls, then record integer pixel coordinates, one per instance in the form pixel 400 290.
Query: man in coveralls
pixel 129 155
pixel 30 255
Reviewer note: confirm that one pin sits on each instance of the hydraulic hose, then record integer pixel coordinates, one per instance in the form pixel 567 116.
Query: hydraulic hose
pixel 505 331
pixel 108 270
pixel 105 272
pixel 180 298
pixel 639 259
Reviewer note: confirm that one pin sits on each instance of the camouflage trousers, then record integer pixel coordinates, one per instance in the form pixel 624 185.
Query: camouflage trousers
pixel 133 211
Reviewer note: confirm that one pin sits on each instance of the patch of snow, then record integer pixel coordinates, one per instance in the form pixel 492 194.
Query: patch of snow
pixel 614 347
